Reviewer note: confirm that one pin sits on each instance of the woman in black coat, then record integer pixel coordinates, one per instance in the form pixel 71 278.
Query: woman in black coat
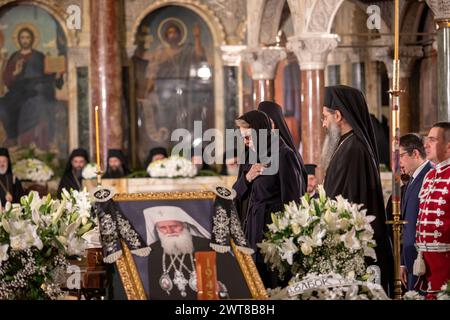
pixel 260 193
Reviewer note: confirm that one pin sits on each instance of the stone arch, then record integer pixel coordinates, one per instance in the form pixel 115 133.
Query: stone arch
pixel 324 13
pixel 270 21
pixel 211 20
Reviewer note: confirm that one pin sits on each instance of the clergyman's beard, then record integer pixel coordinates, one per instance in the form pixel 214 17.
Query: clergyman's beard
pixel 78 173
pixel 330 144
pixel 116 172
pixel 3 170
pixel 180 244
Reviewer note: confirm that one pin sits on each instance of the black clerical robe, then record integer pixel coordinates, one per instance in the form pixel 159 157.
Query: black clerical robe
pixel 352 173
pixel 13 186
pixel 69 181
pixel 228 273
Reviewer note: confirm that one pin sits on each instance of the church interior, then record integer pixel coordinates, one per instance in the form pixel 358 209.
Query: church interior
pixel 97 80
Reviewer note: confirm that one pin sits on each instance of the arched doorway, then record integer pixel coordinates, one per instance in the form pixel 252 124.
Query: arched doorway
pixel 173 75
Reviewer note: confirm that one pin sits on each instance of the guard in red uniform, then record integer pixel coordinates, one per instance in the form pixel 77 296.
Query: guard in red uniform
pixel 433 221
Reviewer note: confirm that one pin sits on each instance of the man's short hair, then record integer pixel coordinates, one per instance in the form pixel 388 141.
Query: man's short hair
pixel 411 142
pixel 446 127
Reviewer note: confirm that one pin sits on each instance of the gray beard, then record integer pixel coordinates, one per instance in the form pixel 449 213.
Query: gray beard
pixel 330 145
pixel 3 171
pixel 181 244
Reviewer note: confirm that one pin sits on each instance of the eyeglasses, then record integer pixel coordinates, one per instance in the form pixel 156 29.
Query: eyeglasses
pixel 403 153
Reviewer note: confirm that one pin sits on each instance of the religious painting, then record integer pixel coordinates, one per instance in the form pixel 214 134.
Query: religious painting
pixel 173 75
pixel 33 80
pixel 176 226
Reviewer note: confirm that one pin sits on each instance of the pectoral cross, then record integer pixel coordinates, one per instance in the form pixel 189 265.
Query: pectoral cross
pixel 181 282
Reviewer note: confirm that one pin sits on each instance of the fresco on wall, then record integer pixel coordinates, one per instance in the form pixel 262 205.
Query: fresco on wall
pixel 174 81
pixel 33 85
pixel 33 81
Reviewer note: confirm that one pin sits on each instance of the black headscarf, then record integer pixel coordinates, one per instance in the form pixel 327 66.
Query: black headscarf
pixel 116 153
pixel 4 152
pixel 153 152
pixel 258 121
pixel 353 107
pixel 275 112
pixel 80 152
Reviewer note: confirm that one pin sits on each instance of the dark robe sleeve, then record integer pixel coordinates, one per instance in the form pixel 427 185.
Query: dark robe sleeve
pixel 18 190
pixel 350 175
pixel 242 186
pixel 290 177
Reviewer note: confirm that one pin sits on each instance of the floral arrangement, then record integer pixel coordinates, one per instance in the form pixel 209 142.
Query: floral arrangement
pixel 320 236
pixel 172 167
pixel 50 158
pixel 334 287
pixel 33 170
pixel 89 171
pixel 36 236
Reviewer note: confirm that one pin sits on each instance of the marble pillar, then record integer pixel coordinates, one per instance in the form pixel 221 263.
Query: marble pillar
pixel 441 11
pixel 408 56
pixel 106 76
pixel 312 52
pixel 263 63
pixel 231 58
pixel 443 44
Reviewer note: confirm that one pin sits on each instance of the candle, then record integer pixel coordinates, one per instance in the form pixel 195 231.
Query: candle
pixel 97 139
pixel 396 32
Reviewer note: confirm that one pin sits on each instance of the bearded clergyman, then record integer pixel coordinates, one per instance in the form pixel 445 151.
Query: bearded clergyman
pixel 73 177
pixel 10 187
pixel 174 237
pixel 351 164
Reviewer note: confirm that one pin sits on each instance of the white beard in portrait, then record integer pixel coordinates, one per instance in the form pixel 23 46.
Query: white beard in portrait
pixel 330 144
pixel 177 244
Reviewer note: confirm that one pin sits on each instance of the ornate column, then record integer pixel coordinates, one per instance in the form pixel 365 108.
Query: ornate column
pixel 106 75
pixel 408 56
pixel 264 62
pixel 441 10
pixel 312 51
pixel 231 57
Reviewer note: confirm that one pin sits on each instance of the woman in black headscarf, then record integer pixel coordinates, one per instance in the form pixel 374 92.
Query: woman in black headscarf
pixel 264 193
pixel 275 112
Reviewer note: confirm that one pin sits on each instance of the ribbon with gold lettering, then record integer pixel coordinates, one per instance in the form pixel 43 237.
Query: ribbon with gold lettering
pixel 207 286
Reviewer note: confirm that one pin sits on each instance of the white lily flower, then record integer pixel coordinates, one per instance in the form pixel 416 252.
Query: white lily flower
pixel 331 219
pixel 360 220
pixel 350 240
pixel 370 252
pixel 6 225
pixel 322 193
pixel 315 240
pixel 288 249
pixel 35 216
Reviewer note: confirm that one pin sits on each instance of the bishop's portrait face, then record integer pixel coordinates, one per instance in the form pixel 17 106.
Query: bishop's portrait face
pixel 171 228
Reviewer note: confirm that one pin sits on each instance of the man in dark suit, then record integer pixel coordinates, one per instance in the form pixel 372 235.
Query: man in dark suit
pixel 412 162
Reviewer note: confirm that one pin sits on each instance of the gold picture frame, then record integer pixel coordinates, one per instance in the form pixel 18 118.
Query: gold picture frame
pixel 127 268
